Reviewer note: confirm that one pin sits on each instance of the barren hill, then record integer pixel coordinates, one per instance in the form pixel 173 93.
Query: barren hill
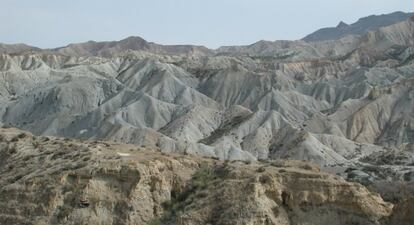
pixel 48 180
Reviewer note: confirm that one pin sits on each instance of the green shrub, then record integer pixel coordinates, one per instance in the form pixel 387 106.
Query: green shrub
pixel 21 135
pixel 156 221
pixel 5 126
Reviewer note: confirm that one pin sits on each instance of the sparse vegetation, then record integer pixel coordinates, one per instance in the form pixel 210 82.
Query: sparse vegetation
pixel 395 191
pixel 345 104
pixel 5 126
pixel 21 135
pixel 12 148
pixel 35 144
pixel 197 188
pixel 156 221
pixel 14 139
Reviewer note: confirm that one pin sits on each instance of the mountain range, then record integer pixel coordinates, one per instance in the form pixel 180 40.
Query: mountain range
pixel 242 102
pixel 362 26
pixel 341 98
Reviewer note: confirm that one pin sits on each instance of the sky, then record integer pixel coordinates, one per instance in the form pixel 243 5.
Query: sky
pixel 213 23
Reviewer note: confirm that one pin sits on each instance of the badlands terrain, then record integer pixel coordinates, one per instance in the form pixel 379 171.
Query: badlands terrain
pixel 63 181
pixel 342 99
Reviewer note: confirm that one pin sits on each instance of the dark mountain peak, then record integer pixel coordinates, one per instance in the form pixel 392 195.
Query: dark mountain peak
pixel 342 25
pixel 262 42
pixel 362 26
pixel 133 42
pixel 133 39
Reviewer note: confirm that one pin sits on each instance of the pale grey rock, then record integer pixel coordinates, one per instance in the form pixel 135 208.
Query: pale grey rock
pixel 339 103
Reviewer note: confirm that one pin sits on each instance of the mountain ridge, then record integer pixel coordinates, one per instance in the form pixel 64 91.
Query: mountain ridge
pixel 277 88
pixel 127 132
pixel 360 27
pixel 111 48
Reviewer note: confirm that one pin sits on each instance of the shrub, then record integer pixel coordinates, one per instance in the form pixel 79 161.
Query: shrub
pixel 395 191
pixel 203 177
pixel 35 144
pixel 277 163
pixel 261 169
pixel 5 126
pixel 14 139
pixel 12 149
pixel 156 221
pixel 21 135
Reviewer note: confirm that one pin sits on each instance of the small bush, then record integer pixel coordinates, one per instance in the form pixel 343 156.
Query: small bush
pixel 21 135
pixel 14 139
pixel 12 149
pixel 277 164
pixel 215 158
pixel 307 167
pixel 5 126
pixel 394 192
pixel 86 158
pixel 44 139
pixel 35 144
pixel 156 221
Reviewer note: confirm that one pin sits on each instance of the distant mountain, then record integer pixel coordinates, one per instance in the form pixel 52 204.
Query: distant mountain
pixel 360 27
pixel 111 48
pixel 397 34
pixel 244 102
pixel 15 48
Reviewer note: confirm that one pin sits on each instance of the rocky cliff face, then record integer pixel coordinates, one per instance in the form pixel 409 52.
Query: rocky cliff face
pixel 47 180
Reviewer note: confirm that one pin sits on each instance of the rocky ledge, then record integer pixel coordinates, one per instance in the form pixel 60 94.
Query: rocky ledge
pixel 48 180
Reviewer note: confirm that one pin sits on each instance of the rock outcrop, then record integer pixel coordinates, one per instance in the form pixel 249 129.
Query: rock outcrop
pixel 48 180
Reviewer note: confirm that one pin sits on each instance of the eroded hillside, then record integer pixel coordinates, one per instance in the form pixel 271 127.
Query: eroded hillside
pixel 47 180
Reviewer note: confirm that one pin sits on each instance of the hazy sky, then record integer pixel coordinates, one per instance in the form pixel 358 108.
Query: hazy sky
pixel 53 23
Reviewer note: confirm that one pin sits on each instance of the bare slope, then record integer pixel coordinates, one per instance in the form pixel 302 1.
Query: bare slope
pixel 61 181
pixel 335 103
